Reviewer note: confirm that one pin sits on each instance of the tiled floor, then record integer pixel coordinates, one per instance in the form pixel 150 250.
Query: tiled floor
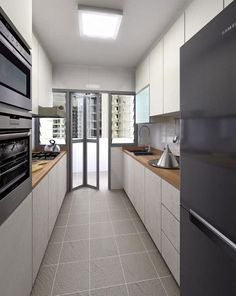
pixel 100 247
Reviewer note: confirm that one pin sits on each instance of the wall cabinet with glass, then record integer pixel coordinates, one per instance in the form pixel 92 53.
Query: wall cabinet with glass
pixel 142 106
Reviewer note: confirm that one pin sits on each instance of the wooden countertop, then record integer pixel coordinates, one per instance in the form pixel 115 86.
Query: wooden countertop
pixel 38 175
pixel 169 175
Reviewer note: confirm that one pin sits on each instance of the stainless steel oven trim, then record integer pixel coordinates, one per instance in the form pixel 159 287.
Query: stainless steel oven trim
pixel 14 136
pixel 13 199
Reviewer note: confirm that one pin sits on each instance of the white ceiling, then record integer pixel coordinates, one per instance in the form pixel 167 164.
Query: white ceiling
pixel 56 24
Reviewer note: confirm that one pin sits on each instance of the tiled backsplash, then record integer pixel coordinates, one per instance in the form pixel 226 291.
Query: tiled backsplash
pixel 162 133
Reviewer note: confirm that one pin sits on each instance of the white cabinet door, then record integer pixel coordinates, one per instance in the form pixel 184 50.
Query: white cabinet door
pixel 53 190
pixel 139 174
pixel 61 181
pixel 171 227
pixel 171 199
pixel 35 77
pixel 171 257
pixel 173 40
pixel 227 2
pixel 156 80
pixel 16 251
pixel 125 172
pixel 152 215
pixel 40 223
pixel 131 164
pixel 45 79
pixel 20 13
pixel 142 75
pixel 116 168
pixel 199 13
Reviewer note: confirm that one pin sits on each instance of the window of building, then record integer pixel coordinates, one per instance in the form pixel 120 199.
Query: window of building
pixel 123 119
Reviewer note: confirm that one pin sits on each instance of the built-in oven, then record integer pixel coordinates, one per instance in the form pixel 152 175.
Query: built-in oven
pixel 15 66
pixel 15 161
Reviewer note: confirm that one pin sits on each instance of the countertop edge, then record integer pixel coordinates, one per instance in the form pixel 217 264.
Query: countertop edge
pixel 39 175
pixel 158 171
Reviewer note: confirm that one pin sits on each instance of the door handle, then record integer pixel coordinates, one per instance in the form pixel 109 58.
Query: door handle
pixel 214 234
pixel 11 136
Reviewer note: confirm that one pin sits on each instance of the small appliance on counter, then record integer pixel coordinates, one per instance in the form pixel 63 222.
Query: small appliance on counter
pixel 52 147
pixel 166 161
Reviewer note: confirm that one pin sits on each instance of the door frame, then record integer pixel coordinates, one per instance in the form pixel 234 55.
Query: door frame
pixel 84 140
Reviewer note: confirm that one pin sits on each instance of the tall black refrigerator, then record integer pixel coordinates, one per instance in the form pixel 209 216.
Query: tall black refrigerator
pixel 208 159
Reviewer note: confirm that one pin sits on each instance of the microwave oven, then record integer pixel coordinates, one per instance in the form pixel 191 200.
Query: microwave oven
pixel 15 66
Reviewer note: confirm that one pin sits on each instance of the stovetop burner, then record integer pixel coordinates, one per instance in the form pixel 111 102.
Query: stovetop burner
pixel 44 155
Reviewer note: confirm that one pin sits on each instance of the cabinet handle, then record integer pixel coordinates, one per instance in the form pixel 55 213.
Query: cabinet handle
pixel 214 234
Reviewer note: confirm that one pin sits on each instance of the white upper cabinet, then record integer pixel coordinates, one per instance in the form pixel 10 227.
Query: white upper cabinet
pixel 142 75
pixel 227 2
pixel 41 77
pixel 173 40
pixel 45 79
pixel 199 13
pixel 156 80
pixel 20 13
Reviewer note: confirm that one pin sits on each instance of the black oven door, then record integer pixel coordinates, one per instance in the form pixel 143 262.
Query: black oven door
pixel 15 77
pixel 15 170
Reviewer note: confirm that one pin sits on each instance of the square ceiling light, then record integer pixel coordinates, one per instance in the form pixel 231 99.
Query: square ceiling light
pixel 98 22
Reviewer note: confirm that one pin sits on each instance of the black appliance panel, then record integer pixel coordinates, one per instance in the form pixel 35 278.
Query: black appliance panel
pixel 206 269
pixel 208 69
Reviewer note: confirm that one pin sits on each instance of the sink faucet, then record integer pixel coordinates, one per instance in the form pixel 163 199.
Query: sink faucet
pixel 147 146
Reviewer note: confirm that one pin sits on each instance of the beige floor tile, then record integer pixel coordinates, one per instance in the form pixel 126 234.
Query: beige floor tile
pixel 100 230
pixel 103 247
pixel 137 267
pixel 124 227
pixel 159 263
pixel 129 244
pixel 146 288
pixel 98 217
pixel 72 277
pixel 171 286
pixel 57 234
pixel 148 242
pixel 112 291
pixel 117 215
pixel 77 232
pixel 62 220
pixel 106 272
pixel 75 251
pixel 77 219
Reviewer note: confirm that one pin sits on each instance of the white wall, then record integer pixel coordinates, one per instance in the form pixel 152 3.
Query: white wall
pixel 90 78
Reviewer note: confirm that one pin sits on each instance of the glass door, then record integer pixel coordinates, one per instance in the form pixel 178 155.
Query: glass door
pixel 84 132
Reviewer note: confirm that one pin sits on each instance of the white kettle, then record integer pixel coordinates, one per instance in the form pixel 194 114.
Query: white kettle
pixel 52 147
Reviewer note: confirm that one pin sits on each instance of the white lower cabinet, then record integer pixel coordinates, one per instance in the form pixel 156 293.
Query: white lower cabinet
pixel 152 218
pixel 48 196
pixel 40 223
pixel 16 251
pixel 54 184
pixel 139 191
pixel 158 205
pixel 171 256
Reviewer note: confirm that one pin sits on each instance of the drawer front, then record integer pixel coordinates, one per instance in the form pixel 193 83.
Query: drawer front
pixel 171 199
pixel 171 227
pixel 171 257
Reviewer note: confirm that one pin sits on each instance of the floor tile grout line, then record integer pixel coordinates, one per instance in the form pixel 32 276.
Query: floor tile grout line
pixel 54 279
pixel 147 252
pixel 118 250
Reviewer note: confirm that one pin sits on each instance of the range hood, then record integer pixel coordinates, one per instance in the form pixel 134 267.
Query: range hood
pixel 51 112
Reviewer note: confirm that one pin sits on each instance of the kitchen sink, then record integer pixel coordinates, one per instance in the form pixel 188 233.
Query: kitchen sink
pixel 143 153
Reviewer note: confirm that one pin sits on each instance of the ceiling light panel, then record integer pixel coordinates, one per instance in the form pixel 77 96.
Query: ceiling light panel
pixel 99 23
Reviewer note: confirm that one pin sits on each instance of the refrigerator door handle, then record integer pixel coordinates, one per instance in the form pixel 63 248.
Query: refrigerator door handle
pixel 215 235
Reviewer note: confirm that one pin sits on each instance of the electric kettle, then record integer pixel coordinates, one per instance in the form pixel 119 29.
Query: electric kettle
pixel 52 147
